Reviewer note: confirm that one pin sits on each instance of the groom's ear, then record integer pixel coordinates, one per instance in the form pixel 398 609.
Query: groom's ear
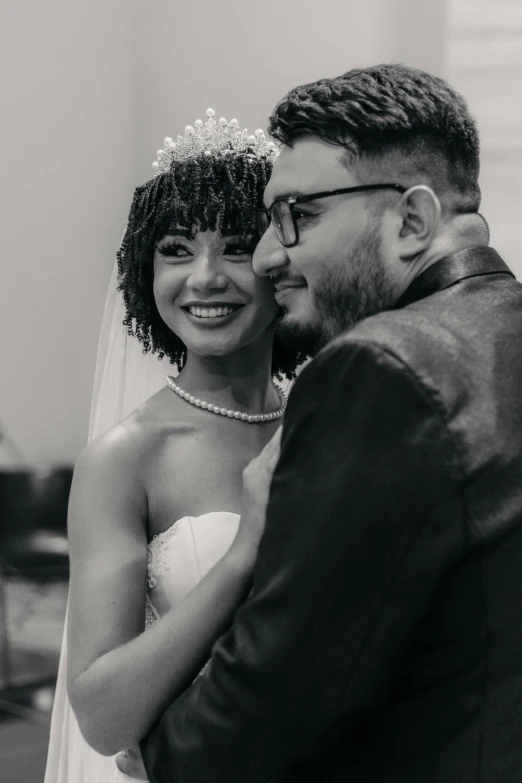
pixel 419 214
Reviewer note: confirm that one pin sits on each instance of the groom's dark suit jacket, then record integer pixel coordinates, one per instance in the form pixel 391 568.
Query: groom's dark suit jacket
pixel 382 640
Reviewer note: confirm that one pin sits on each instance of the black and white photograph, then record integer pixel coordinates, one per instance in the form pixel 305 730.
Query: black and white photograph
pixel 261 392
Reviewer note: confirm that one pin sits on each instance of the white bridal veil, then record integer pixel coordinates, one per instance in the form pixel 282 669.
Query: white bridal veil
pixel 125 377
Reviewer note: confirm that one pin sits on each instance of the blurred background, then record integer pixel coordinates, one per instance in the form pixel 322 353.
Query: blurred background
pixel 89 91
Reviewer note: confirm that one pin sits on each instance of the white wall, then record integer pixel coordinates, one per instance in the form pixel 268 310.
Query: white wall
pixel 484 61
pixel 89 91
pixel 67 168
pixel 241 57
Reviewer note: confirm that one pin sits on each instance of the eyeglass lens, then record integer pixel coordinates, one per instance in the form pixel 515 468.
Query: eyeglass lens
pixel 281 216
pixel 283 223
pixel 263 221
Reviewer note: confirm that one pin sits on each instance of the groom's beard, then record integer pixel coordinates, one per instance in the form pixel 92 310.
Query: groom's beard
pixel 343 296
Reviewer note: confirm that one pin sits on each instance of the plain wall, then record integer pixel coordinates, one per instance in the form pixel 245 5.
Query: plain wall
pixel 484 61
pixel 89 91
pixel 69 140
pixel 240 58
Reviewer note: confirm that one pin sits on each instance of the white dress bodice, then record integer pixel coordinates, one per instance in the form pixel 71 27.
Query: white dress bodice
pixel 180 556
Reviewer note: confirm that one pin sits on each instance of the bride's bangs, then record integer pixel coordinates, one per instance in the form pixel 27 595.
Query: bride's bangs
pixel 211 193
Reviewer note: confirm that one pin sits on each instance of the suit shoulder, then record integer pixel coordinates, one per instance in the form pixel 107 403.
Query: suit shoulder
pixel 408 343
pixel 390 330
pixel 417 340
pixel 375 351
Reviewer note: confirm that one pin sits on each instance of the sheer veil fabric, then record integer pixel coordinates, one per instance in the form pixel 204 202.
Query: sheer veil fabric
pixel 124 378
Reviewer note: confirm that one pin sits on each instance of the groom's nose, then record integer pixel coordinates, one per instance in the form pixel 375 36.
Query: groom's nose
pixel 269 255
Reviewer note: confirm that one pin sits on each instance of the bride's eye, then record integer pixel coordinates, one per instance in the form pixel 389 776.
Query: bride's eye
pixel 240 250
pixel 173 250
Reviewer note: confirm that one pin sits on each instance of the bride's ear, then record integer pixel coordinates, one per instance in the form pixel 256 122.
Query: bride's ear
pixel 419 214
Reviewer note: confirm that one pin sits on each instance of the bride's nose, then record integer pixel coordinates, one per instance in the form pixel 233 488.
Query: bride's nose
pixel 206 274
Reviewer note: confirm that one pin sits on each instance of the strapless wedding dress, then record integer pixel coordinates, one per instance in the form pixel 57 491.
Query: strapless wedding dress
pixel 177 559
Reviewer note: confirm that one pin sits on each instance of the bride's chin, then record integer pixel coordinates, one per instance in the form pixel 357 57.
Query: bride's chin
pixel 215 349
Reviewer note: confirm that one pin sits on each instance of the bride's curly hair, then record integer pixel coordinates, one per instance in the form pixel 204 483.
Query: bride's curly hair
pixel 221 192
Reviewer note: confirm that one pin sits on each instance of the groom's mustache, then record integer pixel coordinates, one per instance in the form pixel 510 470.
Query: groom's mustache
pixel 287 281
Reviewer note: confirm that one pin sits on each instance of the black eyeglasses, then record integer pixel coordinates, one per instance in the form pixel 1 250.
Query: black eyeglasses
pixel 281 212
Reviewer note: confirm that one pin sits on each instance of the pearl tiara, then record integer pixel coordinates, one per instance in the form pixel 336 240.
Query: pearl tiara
pixel 214 138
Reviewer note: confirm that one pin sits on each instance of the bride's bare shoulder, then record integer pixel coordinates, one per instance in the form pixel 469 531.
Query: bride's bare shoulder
pixel 136 440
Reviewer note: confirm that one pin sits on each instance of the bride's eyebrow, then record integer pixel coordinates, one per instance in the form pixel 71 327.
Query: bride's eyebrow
pixel 231 234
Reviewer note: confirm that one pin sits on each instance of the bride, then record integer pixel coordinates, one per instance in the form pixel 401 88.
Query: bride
pixel 163 534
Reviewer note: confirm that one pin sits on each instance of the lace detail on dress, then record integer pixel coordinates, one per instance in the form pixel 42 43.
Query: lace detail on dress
pixel 151 613
pixel 157 555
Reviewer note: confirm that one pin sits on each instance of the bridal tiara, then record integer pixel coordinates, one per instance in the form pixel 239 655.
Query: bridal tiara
pixel 214 138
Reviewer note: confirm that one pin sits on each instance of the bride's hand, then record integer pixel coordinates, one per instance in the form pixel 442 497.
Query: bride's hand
pixel 257 477
pixel 130 763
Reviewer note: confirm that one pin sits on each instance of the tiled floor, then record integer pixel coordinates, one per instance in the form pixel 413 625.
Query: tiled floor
pixel 35 615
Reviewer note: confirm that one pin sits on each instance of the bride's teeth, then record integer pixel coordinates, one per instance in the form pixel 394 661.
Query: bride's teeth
pixel 210 312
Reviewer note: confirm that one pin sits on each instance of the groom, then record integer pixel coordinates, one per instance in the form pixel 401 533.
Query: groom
pixel 382 640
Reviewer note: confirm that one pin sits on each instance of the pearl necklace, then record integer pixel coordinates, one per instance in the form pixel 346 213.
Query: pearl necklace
pixel 257 418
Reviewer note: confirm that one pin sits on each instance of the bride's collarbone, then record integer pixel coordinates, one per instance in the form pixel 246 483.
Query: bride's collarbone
pixel 199 431
pixel 168 414
pixel 194 471
pixel 193 464
pixel 191 486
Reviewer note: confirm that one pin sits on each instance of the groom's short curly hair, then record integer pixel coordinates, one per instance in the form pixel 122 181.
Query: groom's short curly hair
pixel 392 120
pixel 202 192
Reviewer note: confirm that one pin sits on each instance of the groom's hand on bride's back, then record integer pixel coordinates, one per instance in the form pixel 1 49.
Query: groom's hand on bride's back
pixel 257 478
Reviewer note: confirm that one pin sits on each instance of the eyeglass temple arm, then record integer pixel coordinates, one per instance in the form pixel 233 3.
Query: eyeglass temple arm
pixel 339 191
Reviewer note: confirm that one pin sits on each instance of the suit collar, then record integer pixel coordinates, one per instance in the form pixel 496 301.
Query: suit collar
pixel 470 262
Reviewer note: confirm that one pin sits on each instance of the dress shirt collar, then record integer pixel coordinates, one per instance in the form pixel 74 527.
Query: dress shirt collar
pixel 470 262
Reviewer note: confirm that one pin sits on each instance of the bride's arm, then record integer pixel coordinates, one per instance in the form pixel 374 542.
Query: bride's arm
pixel 120 679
